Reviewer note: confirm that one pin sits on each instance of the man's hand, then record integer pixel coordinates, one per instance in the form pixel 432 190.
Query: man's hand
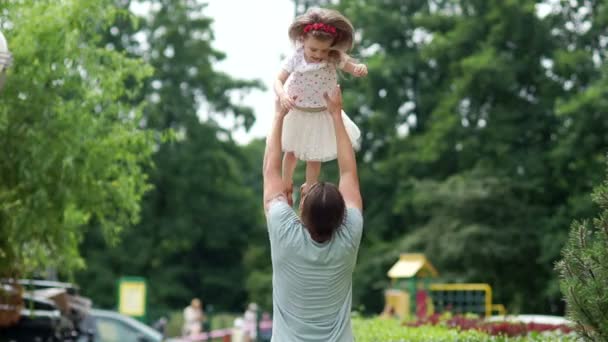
pixel 278 107
pixel 334 101
pixel 286 102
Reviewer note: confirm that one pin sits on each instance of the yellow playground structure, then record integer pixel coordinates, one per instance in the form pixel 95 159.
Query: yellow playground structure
pixel 413 294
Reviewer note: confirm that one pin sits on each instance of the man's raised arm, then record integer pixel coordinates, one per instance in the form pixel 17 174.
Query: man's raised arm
pixel 349 180
pixel 273 182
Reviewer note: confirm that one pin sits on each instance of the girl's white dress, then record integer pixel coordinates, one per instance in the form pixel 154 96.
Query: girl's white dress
pixel 308 129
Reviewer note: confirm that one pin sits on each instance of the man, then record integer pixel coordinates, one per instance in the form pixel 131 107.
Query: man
pixel 313 256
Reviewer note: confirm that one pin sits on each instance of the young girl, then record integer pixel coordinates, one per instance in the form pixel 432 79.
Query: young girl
pixel 322 38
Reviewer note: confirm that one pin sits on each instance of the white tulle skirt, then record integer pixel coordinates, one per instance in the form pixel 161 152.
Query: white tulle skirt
pixel 311 135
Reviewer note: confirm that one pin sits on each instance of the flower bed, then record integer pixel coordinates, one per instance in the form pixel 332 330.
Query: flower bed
pixel 462 329
pixel 472 322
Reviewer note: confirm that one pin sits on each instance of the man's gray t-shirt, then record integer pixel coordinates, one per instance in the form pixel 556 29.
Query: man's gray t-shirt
pixel 311 281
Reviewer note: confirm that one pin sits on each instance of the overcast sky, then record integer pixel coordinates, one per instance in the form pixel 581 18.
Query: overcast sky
pixel 253 35
pixel 254 44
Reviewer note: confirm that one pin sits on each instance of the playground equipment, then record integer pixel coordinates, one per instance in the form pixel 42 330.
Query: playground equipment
pixel 413 293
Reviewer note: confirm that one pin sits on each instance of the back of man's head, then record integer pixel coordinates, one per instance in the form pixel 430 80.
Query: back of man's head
pixel 323 210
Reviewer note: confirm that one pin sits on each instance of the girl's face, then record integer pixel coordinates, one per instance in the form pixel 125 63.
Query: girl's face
pixel 315 50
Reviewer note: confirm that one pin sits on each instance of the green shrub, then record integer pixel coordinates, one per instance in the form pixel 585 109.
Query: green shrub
pixel 584 272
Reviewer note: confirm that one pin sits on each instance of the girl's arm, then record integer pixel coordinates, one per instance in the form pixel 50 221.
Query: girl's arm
pixel 286 102
pixel 279 82
pixel 357 70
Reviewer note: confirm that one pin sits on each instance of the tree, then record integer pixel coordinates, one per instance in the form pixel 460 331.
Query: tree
pixel 584 271
pixel 467 117
pixel 73 149
pixel 199 218
pixel 577 159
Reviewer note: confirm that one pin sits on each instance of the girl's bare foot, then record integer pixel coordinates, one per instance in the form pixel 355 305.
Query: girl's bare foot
pixel 303 189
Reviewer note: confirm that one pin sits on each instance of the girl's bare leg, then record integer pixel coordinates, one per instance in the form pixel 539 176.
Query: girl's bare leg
pixel 289 166
pixel 313 170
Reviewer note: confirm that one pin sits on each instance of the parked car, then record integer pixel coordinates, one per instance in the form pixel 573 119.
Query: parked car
pixel 53 311
pixel 111 326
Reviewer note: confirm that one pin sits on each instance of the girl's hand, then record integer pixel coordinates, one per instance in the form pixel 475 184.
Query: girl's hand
pixel 287 103
pixel 360 70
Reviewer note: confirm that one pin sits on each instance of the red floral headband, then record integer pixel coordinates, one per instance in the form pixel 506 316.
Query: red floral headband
pixel 321 27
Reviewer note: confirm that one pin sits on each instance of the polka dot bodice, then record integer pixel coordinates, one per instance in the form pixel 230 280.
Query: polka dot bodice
pixel 308 81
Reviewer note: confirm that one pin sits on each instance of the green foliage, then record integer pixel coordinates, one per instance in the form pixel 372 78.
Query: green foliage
pixel 483 130
pixel 175 324
pixel 72 146
pixel 584 271
pixel 203 211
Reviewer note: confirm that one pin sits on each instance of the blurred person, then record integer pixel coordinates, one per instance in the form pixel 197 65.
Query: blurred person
pixel 250 322
pixel 194 317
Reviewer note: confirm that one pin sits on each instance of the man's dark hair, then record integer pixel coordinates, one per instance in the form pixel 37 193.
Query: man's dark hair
pixel 323 210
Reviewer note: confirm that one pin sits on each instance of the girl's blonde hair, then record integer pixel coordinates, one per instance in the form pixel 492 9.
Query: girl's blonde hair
pixel 342 41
